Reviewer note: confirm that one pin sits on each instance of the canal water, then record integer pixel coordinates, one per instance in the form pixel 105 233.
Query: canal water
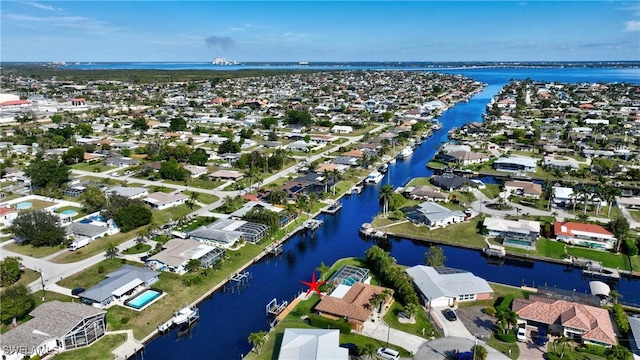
pixel 228 317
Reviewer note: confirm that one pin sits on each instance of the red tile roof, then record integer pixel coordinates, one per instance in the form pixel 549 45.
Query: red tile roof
pixel 354 305
pixel 14 102
pixel 594 321
pixel 4 211
pixel 567 228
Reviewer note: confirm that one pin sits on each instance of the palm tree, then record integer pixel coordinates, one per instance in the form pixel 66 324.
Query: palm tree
pixel 302 203
pixel 141 238
pixel 368 351
pixel 511 317
pixel 313 198
pixel 386 195
pixel 479 352
pixel 336 177
pixel 194 196
pixel 562 340
pixel 257 339
pixel 112 251
pixel 325 179
pixel 324 270
pixel 611 192
pixel 192 265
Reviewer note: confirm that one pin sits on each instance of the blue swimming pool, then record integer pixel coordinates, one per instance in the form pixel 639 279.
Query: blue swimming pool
pixel 24 205
pixel 98 218
pixel 69 212
pixel 143 299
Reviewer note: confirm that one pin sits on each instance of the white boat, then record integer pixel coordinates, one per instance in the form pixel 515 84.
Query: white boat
pixel 186 315
pixel 405 153
pixel 374 178
pixel 392 161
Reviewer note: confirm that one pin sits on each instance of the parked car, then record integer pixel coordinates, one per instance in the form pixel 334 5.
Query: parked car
pixel 542 338
pixel 77 291
pixel 450 315
pixel 521 334
pixel 388 354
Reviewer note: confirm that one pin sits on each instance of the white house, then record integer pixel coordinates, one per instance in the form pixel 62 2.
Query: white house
pixel 342 129
pixel 176 254
pixel 161 201
pixel 562 195
pixel 310 344
pixel 7 215
pixel 522 233
pixel 196 171
pixel 434 215
pixel 515 164
pixel 443 286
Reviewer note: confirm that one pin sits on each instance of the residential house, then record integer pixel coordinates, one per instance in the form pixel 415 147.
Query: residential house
pixel 424 192
pixel 177 253
pixel 7 215
pixel 583 323
pixel 451 182
pixel 352 303
pixel 196 171
pixel 55 326
pixel 521 233
pixel 341 129
pixel 634 335
pixel 564 163
pixel 589 235
pixel 128 192
pixel 226 175
pixel 444 286
pixel 91 229
pixel 312 344
pixel 226 232
pixel 161 201
pixel 346 161
pixel 119 285
pixel 464 158
pixel 516 164
pixel 433 215
pixel 562 196
pixel 523 188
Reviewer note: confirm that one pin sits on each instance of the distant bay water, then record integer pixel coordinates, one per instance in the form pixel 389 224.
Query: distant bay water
pixel 227 318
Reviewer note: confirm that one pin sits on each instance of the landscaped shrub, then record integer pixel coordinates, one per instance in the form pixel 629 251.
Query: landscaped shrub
pixel 592 349
pixel 509 337
pixel 630 247
pixel 324 323
pixel 506 303
pixel 621 318
pixel 490 310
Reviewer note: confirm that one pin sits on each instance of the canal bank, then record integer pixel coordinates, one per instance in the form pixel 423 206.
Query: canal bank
pixel 227 318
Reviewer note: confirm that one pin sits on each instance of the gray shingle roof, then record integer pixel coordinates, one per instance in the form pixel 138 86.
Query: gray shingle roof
pixel 438 282
pixel 52 319
pixel 126 276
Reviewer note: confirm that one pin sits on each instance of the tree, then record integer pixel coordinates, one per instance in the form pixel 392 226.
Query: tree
pixel 198 157
pixel 93 199
pixel 139 123
pixel 301 117
pixel 386 194
pixel 269 122
pixel 173 171
pixel 9 271
pixel 132 216
pixel 257 339
pixel 45 172
pixel 435 256
pixel 15 302
pixel 178 124
pixel 141 238
pixel 38 228
pixel 479 352
pixel 193 265
pixel 324 270
pixel 75 155
pixel 368 351
pixel 112 251
pixel 620 229
pixel 618 352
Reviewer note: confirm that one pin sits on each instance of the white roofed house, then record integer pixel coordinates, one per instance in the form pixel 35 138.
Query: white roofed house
pixel 443 286
pixel 128 192
pixel 161 201
pixel 524 189
pixel 433 215
pixel 176 254
pixel 342 129
pixel 521 233
pixel 562 196
pixel 516 164
pixel 196 171
pixel 226 233
pixel 119 285
pixel 312 344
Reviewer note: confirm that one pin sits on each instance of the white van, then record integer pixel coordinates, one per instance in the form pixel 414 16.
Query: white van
pixel 388 354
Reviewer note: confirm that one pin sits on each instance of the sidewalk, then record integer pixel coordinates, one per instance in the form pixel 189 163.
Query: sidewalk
pixel 130 347
pixel 379 330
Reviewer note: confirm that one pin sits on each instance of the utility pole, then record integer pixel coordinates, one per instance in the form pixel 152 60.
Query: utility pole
pixel 41 281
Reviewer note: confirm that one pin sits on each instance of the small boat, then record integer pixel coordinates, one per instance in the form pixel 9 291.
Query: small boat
pixel 383 168
pixel 374 178
pixel 405 153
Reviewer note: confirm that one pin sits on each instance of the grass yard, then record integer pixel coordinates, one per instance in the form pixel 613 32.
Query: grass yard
pixel 421 322
pixel 491 190
pixel 419 181
pixel 137 249
pixel 635 214
pixel 28 276
pixel 176 212
pixel 95 247
pixel 504 347
pixel 206 198
pixel 607 258
pixel 93 275
pixel 465 233
pixel 33 251
pixel 101 349
pixel 39 204
pixel 93 167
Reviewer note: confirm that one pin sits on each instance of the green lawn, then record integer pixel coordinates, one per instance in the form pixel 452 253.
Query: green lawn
pixel 491 190
pixel 419 181
pixel 95 247
pixel 28 276
pixel 504 347
pixel 93 275
pixel 607 258
pixel 433 164
pixel 205 198
pixel 100 349
pixel 176 212
pixel 465 233
pixel 39 204
pixel 33 251
pixel 421 322
pixel 137 249
pixel 635 214
pixel 93 167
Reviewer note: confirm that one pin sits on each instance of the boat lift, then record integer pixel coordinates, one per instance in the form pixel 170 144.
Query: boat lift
pixel 274 308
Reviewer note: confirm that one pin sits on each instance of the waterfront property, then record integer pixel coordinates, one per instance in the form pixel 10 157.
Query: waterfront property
pixel 521 233
pixel 424 192
pixel 451 182
pixel 349 275
pixel 444 286
pixel 433 215
pixel 177 253
pixel 144 299
pixel 515 164
pixel 523 189
pixel 589 235
pixel 119 286
pixel 352 303
pixel 634 324
pixel 55 326
pixel 226 232
pixel 583 323
pixel 319 344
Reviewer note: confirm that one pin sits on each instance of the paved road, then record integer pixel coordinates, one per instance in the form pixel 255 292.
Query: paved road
pixel 443 348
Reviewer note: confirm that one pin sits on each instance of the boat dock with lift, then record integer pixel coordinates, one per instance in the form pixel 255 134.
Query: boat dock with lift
pixel 183 317
pixel 595 269
pixel 332 208
pixel 312 224
pixel 368 231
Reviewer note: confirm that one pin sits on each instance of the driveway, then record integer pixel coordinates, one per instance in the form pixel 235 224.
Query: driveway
pixel 477 322
pixel 529 350
pixel 450 328
pixel 439 349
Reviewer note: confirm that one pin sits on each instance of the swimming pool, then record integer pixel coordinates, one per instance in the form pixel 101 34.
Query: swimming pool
pixel 69 212
pixel 99 218
pixel 143 299
pixel 24 205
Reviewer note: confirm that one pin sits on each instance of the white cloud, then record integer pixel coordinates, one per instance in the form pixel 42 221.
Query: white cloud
pixel 632 25
pixel 41 6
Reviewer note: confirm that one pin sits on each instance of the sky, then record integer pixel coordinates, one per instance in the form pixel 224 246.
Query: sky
pixel 248 31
